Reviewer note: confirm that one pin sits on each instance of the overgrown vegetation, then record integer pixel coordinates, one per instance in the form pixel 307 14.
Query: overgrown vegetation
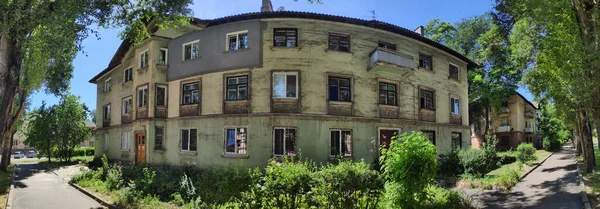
pixel 526 153
pixel 478 162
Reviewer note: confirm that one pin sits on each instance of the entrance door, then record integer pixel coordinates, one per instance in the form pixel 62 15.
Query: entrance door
pixel 385 137
pixel 141 149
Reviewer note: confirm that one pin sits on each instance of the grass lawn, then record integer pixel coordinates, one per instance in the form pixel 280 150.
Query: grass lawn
pixel 541 155
pixel 54 160
pixel 592 180
pixel 5 179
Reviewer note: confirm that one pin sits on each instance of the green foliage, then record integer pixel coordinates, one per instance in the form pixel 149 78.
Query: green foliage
pixel 526 153
pixel 223 184
pixel 553 130
pixel 114 178
pixel 187 191
pixel 441 198
pixel 409 165
pixel 508 179
pixel 83 151
pixel 449 164
pixel 478 162
pixel 287 183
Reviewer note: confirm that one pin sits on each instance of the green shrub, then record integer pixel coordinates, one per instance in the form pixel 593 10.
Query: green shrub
pixel 83 151
pixel 348 185
pixel 286 184
pixel 508 179
pixel 187 189
pixel 114 178
pixel 449 164
pixel 409 165
pixel 440 198
pixel 223 184
pixel 477 162
pixel 526 153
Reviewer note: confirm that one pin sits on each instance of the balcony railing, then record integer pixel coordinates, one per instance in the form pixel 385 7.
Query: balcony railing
pixel 503 129
pixel 382 58
pixel 504 110
pixel 528 130
pixel 529 114
pixel 125 119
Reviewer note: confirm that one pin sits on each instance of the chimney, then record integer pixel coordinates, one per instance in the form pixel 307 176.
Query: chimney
pixel 266 6
pixel 419 30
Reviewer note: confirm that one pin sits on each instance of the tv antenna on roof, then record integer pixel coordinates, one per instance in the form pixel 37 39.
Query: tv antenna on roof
pixel 281 9
pixel 373 16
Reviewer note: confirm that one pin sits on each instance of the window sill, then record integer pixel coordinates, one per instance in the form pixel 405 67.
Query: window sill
pixel 239 100
pixel 237 50
pixel 341 52
pixel 285 48
pixel 428 109
pixel 454 114
pixel 426 70
pixel 182 105
pixel 189 60
pixel 127 83
pixel 236 156
pixel 188 153
pixel 164 65
pixel 334 158
pixel 388 106
pixel 125 150
pixel 285 99
pixel 340 102
pixel 453 79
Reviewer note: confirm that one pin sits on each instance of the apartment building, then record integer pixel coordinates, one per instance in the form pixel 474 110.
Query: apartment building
pixel 241 89
pixel 515 122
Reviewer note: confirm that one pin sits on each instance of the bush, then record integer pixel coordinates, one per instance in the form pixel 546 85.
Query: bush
pixel 287 184
pixel 83 151
pixel 508 179
pixel 477 162
pixel 441 198
pixel 449 164
pixel 223 184
pixel 409 165
pixel 114 178
pixel 526 153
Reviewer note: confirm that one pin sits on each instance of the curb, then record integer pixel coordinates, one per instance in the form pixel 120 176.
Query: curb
pixel 89 194
pixel 584 197
pixel 10 191
pixel 535 167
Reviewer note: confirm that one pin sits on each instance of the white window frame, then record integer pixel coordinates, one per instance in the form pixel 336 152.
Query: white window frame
pixel 284 140
pixel 189 139
pixel 125 140
pixel 108 84
pixel 197 43
pixel 351 141
pixel 105 113
pixel 140 103
pixel 130 70
pixel 166 55
pixel 285 74
pixel 106 140
pixel 457 70
pixel 242 130
pixel 143 57
pixel 156 94
pixel 452 103
pixel 237 39
pixel 124 105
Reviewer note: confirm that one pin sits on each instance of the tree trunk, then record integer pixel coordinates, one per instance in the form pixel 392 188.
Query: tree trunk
pixel 487 123
pixel 9 83
pixel 576 141
pixel 588 145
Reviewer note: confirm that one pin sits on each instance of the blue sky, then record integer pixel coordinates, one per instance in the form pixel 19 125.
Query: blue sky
pixel 404 13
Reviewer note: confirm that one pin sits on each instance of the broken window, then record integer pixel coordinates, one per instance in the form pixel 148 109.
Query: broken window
pixel 236 141
pixel 284 142
pixel 339 89
pixel 340 143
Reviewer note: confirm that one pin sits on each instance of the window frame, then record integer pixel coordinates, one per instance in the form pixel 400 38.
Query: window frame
pixel 450 74
pixel 285 84
pixel 189 140
pixel 105 113
pixel 106 141
pixel 285 129
pixel 337 44
pixel 237 129
pixel 165 100
pixel 237 40
pixel 386 45
pixel 452 140
pixel 425 106
pixel 128 71
pixel 192 43
pixel 108 84
pixel 124 111
pixel 237 87
pixel 380 90
pixel 183 92
pixel 339 95
pixel 426 132
pixel 142 103
pixel 453 100
pixel 156 137
pixel 126 146
pixel 428 58
pixel 341 131
pixel 144 59
pixel 166 57
pixel 286 37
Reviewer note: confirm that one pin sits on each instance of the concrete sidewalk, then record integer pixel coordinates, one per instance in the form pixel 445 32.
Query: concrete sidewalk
pixel 37 188
pixel 553 185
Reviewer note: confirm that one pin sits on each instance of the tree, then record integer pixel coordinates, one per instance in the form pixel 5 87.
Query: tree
pixel 40 130
pixel 93 115
pixel 554 131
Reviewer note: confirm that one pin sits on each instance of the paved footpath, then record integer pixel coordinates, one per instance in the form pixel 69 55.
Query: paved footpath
pixel 37 188
pixel 553 185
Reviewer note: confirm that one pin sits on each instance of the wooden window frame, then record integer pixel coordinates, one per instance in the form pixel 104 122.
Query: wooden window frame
pixel 450 73
pixel 453 99
pixel 237 148
pixel 452 140
pixel 183 92
pixel 283 152
pixel 386 45
pixel 166 57
pixel 427 57
pixel 329 85
pixel 106 116
pixel 380 90
pixel 144 60
pixel 337 43
pixel 128 74
pixel 191 44
pixel 126 146
pixel 237 40
pixel 142 103
pixel 237 87
pixel 341 131
pixel 285 36
pixel 424 106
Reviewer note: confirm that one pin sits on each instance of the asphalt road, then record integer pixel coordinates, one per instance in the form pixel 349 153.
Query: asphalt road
pixel 38 188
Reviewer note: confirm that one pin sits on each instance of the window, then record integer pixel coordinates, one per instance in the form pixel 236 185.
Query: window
pixel 455 106
pixel 456 140
pixel 128 74
pixel 430 135
pixel 236 141
pixel 142 96
pixel 341 143
pixel 339 89
pixel 107 85
pixel 425 61
pixel 190 93
pixel 387 94
pixel 284 142
pixel 386 45
pixel 504 140
pixel 161 95
pixel 125 140
pixel 144 59
pixel 285 37
pixel 127 106
pixel 453 71
pixel 237 40
pixel 106 112
pixel 237 88
pixel 106 139
pixel 505 122
pixel 339 42
pixel 427 101
pixel 188 140
pixel 285 85
pixel 158 137
pixel 162 56
pixel 191 50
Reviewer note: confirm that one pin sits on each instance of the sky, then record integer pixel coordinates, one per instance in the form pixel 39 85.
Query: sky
pixel 409 14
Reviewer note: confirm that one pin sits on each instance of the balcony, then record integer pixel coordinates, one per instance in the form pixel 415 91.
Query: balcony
pixel 386 60
pixel 528 130
pixel 529 114
pixel 504 111
pixel 503 129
